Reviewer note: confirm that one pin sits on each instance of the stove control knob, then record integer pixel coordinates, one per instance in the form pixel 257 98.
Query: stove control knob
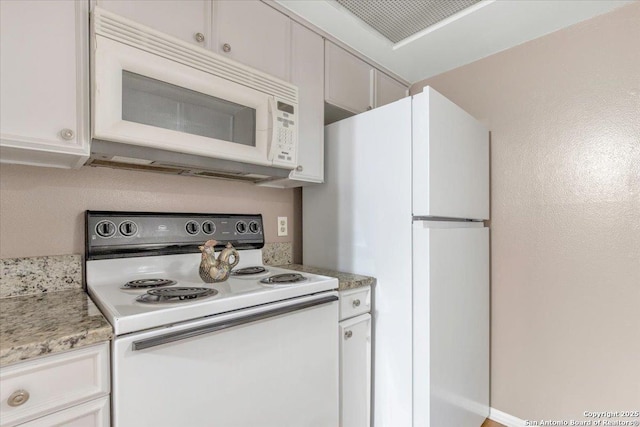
pixel 241 227
pixel 128 228
pixel 192 228
pixel 105 228
pixel 208 227
pixel 254 227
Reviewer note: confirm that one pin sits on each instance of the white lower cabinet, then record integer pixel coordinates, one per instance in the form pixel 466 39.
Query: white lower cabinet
pixel 69 388
pixel 355 360
pixel 91 414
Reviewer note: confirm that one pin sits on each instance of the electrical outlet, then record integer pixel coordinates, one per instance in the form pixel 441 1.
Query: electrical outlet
pixel 283 227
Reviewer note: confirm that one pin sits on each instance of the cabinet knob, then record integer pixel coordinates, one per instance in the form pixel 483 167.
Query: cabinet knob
pixel 67 134
pixel 369 108
pixel 18 398
pixel 299 168
pixel 356 303
pixel 199 37
pixel 226 47
pixel 348 334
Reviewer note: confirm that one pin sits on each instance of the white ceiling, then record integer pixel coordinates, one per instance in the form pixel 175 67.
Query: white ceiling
pixel 479 31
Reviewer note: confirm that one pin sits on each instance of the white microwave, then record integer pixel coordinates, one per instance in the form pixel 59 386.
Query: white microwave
pixel 153 90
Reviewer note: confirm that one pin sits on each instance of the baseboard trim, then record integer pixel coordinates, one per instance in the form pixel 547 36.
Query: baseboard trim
pixel 505 419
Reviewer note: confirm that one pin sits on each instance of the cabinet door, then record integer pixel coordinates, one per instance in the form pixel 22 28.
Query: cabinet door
pixel 348 80
pixel 53 383
pixel 307 72
pixel 189 20
pixel 44 76
pixel 254 34
pixel 355 372
pixel 90 414
pixel 387 89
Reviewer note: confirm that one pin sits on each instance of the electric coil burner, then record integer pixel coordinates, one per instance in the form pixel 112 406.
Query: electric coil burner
pixel 284 279
pixel 175 295
pixel 249 271
pixel 137 279
pixel 148 283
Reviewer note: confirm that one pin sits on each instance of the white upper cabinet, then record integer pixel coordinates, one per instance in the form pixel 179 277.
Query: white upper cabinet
pixel 354 85
pixel 189 20
pixel 348 80
pixel 307 72
pixel 254 34
pixel 44 72
pixel 387 89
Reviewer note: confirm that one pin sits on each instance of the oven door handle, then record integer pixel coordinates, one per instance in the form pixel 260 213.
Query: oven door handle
pixel 226 324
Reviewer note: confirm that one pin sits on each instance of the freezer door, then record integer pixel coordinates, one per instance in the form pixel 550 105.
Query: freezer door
pixel 450 324
pixel 450 160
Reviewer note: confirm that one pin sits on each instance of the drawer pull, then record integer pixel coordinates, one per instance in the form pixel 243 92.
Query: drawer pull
pixel 356 303
pixel 67 134
pixel 347 335
pixel 18 398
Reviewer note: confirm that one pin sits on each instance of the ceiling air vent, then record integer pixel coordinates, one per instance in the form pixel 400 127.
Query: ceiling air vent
pixel 398 19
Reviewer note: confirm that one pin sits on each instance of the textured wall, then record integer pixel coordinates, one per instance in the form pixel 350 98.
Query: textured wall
pixel 41 209
pixel 564 111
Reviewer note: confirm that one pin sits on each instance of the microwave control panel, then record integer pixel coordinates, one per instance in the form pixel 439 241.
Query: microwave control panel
pixel 284 145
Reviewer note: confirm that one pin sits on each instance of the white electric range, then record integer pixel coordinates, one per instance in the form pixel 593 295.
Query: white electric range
pixel 260 348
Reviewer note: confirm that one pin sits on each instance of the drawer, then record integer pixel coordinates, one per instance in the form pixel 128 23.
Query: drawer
pixel 53 383
pixel 354 302
pixel 94 413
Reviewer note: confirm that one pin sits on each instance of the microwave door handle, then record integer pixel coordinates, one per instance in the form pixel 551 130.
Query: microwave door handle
pixel 271 138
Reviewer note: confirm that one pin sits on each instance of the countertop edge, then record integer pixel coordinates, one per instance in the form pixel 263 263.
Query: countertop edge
pixel 37 349
pixel 346 281
pixel 72 321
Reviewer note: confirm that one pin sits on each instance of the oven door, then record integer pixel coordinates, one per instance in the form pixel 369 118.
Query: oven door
pixel 145 99
pixel 274 365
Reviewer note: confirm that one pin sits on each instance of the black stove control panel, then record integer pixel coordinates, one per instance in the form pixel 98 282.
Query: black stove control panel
pixel 112 234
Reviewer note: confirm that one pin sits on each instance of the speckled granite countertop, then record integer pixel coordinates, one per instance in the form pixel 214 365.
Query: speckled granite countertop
pixel 346 280
pixel 41 324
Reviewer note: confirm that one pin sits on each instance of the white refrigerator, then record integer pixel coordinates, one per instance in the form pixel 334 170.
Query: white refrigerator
pixel 405 195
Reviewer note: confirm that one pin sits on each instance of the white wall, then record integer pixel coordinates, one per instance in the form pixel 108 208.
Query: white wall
pixel 41 209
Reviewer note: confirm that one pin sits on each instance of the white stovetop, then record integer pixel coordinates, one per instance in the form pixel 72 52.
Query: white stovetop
pixel 106 277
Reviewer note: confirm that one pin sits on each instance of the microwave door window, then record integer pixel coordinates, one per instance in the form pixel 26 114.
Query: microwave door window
pixel 160 104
